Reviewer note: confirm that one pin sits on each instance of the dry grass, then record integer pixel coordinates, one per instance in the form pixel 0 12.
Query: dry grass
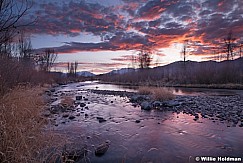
pixel 68 101
pixel 157 93
pixel 145 90
pixel 22 135
pixel 162 94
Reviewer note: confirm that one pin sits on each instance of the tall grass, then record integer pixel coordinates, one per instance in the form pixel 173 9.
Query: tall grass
pixel 22 135
pixel 157 93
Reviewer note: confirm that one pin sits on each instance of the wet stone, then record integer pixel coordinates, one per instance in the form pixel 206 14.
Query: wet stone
pixel 78 97
pixel 101 119
pixel 102 148
pixel 71 117
pixel 82 104
pixel 65 115
pixel 137 121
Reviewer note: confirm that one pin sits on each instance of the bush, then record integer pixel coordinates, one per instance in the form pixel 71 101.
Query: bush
pixel 157 93
pixel 162 94
pixel 145 90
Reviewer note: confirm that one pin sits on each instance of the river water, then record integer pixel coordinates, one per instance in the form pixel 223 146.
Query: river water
pixel 158 137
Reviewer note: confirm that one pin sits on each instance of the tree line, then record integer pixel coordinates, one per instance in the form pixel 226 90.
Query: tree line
pixel 19 63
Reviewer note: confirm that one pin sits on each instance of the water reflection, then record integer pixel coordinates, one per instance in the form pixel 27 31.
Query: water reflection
pixel 158 137
pixel 176 90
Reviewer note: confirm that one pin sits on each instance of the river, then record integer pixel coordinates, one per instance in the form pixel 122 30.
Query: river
pixel 158 137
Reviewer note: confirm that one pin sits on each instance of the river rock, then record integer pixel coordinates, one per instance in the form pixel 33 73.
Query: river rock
pixel 82 104
pixel 145 105
pixel 137 98
pixel 101 119
pixel 137 121
pixel 47 113
pixel 71 117
pixel 54 110
pixel 171 103
pixel 74 155
pixel 65 115
pixel 102 148
pixel 48 92
pixel 78 97
pixel 157 104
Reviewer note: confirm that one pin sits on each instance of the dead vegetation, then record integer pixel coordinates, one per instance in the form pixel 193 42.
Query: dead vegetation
pixel 68 101
pixel 157 93
pixel 23 137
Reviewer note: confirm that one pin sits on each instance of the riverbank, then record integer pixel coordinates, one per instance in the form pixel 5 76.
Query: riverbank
pixel 24 137
pixel 161 84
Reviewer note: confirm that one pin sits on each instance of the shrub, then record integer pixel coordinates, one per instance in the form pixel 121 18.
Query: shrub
pixel 162 94
pixel 157 93
pixel 144 90
pixel 68 101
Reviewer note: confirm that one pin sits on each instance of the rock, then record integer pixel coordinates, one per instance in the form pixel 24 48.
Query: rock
pixel 52 90
pixel 241 125
pixel 102 148
pixel 86 107
pixel 86 115
pixel 145 105
pixel 48 92
pixel 111 101
pixel 85 99
pixel 137 98
pixel 71 117
pixel 171 103
pixel 157 104
pixel 54 110
pixel 137 121
pixel 74 155
pixel 82 104
pixel 78 97
pixel 101 119
pixel 46 113
pixel 65 115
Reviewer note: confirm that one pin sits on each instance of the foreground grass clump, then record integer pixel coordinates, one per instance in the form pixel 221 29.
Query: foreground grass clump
pixel 145 90
pixel 68 101
pixel 157 93
pixel 22 135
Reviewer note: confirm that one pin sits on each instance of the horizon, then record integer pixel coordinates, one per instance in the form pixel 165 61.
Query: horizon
pixel 104 35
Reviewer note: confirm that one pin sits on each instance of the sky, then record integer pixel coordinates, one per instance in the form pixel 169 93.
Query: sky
pixel 102 35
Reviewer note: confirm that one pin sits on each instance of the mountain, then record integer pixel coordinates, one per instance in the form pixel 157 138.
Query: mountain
pixel 189 72
pixel 122 71
pixel 85 74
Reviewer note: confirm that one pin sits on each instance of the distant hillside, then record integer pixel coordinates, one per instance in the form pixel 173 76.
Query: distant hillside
pixel 122 71
pixel 85 74
pixel 189 72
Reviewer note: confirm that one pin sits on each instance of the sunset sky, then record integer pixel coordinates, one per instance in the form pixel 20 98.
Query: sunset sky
pixel 102 35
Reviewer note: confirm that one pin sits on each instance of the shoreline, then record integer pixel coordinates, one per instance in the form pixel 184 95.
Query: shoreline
pixel 203 86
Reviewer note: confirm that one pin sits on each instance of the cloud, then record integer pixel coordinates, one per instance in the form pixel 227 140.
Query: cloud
pixel 153 8
pixel 134 24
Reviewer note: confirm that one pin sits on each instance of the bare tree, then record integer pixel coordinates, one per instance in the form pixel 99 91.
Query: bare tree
pixel 72 68
pixel 11 17
pixel 24 47
pixel 144 58
pixel 47 59
pixel 75 68
pixel 240 47
pixel 184 51
pixel 229 45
